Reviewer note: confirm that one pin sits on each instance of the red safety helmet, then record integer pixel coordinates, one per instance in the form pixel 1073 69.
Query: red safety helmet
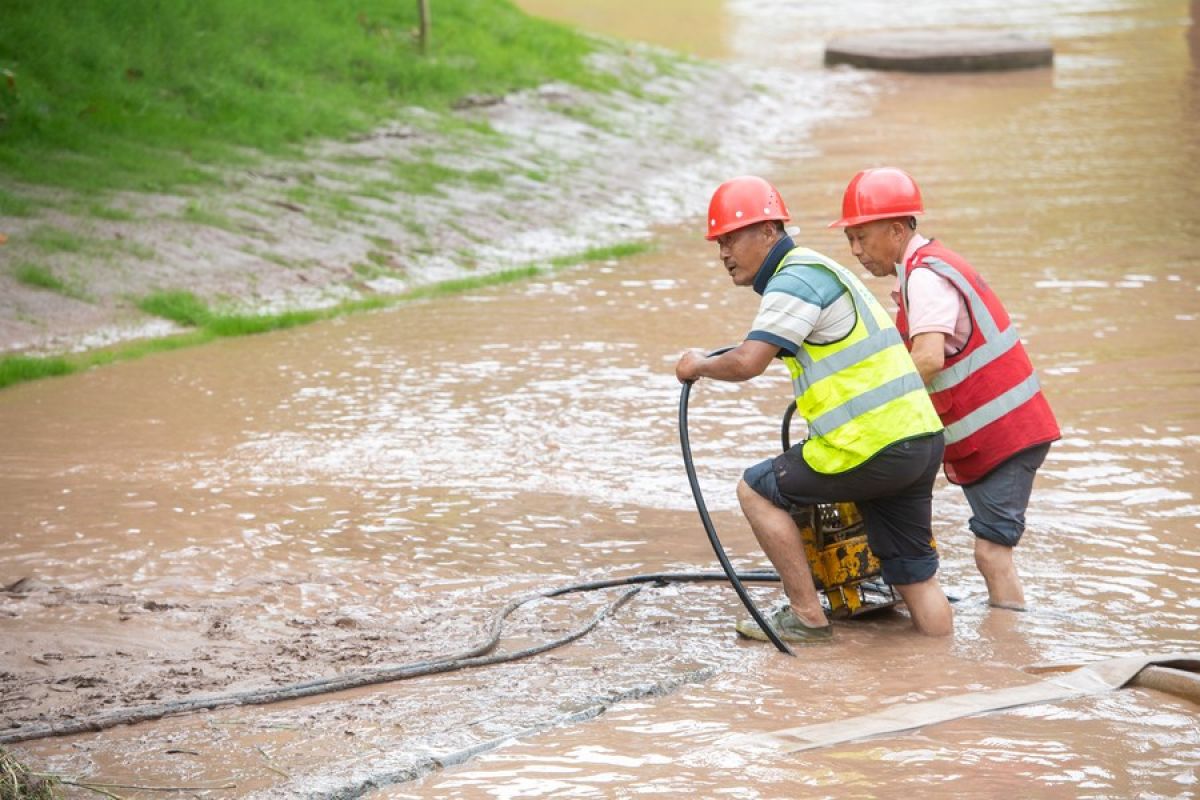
pixel 743 201
pixel 880 193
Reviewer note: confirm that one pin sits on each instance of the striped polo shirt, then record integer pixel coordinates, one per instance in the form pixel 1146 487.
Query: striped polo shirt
pixel 803 302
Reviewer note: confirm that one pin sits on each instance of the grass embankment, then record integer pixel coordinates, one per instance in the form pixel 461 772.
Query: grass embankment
pixel 186 309
pixel 155 95
pixel 146 94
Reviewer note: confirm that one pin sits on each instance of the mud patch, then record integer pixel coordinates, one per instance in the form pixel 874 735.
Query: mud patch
pixel 377 735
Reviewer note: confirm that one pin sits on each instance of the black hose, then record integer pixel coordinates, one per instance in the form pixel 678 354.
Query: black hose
pixel 785 431
pixel 706 520
pixel 662 579
pixel 474 657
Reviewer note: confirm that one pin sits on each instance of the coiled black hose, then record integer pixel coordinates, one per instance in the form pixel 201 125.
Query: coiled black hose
pixel 474 657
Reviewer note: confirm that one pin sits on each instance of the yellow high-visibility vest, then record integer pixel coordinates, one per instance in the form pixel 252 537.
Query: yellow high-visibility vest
pixel 862 392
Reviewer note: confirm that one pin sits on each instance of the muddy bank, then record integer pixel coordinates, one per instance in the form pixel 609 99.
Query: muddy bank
pixel 518 180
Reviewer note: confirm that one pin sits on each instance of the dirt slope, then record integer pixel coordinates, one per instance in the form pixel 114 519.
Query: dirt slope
pixel 513 180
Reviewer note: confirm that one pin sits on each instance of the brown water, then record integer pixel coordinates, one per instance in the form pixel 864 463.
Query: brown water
pixel 367 491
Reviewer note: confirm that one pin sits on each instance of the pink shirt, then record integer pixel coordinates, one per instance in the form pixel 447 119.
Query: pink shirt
pixel 934 305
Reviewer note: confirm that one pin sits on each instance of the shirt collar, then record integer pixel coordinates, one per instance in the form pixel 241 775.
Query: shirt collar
pixel 771 263
pixel 916 242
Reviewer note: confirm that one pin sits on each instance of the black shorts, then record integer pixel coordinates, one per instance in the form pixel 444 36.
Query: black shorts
pixel 893 491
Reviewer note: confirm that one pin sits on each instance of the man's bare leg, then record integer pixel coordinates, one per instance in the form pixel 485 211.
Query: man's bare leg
pixel 779 538
pixel 995 563
pixel 928 606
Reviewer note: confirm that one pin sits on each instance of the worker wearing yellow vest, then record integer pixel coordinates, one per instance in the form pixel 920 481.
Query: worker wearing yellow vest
pixel 873 435
pixel 999 425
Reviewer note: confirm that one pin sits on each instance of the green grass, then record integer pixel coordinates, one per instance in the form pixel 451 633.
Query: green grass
pixel 616 251
pixel 369 272
pixel 153 94
pixel 13 206
pixel 425 176
pixel 101 211
pixel 187 309
pixel 18 369
pixel 39 277
pixel 203 216
pixel 52 239
pixel 181 307
pixel 56 240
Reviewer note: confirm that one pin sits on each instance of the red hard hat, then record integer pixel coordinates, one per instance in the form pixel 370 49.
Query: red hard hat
pixel 880 193
pixel 740 202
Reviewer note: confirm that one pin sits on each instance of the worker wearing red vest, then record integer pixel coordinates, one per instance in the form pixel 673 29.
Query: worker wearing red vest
pixel 999 425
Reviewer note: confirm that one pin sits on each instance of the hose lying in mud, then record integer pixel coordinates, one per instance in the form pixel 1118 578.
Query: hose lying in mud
pixel 474 657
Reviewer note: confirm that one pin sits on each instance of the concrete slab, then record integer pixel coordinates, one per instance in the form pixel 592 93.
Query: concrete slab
pixel 940 51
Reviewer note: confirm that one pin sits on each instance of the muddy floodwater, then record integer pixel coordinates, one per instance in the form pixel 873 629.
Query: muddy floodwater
pixel 372 490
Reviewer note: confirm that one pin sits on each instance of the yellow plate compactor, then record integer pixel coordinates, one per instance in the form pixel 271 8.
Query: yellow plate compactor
pixel 843 567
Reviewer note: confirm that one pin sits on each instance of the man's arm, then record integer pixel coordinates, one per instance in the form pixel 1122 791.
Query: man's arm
pixel 934 306
pixel 748 360
pixel 929 354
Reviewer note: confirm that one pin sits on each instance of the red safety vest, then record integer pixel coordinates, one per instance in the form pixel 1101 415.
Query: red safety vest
pixel 987 395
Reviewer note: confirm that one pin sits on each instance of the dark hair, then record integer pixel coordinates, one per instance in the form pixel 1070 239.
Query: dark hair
pixel 912 223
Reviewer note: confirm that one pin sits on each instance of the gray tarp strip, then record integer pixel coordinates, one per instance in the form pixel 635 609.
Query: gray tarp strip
pixel 1095 678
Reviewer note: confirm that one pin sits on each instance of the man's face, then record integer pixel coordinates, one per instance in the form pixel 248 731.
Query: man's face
pixel 877 245
pixel 743 251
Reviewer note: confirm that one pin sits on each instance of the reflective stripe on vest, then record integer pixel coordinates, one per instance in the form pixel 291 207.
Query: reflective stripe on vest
pixel 991 402
pixel 993 410
pixel 878 337
pixel 996 343
pixel 867 401
pixel 873 348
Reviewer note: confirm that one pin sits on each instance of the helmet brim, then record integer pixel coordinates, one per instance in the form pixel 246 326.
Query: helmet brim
pixel 850 222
